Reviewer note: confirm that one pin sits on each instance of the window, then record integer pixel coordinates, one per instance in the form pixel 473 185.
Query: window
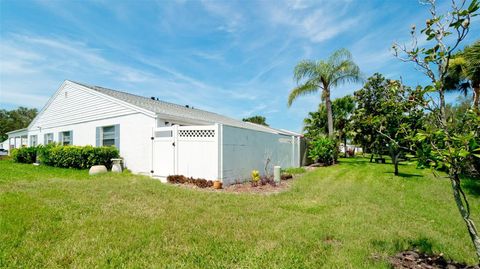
pixel 65 138
pixel 108 136
pixel 47 138
pixel 33 140
pixel 23 141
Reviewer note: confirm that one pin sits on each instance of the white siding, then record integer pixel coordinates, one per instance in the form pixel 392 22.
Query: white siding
pixel 245 150
pixel 82 111
pixel 72 104
pixel 135 133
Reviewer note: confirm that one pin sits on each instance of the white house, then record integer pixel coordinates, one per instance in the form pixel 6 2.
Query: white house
pixel 160 138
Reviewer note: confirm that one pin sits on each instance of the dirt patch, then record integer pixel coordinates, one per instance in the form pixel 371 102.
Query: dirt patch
pixel 413 259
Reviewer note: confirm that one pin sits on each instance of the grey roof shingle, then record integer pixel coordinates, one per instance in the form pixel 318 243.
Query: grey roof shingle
pixel 182 112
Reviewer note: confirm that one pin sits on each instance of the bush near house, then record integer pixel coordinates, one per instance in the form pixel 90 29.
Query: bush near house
pixel 25 155
pixel 79 157
pixel 323 150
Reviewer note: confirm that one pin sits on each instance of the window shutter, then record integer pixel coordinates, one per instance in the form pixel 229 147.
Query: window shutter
pixel 71 137
pixel 60 138
pixel 45 139
pixel 117 136
pixel 97 140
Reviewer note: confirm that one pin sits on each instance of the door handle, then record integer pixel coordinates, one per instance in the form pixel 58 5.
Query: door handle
pixel 173 144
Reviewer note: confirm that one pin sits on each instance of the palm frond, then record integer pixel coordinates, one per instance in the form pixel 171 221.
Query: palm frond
pixel 304 69
pixel 307 88
pixel 346 71
pixel 339 56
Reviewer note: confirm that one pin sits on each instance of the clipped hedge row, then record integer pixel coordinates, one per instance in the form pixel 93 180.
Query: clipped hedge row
pixel 24 155
pixel 80 157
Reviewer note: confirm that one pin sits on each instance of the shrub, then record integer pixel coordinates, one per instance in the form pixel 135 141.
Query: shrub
pixel 25 155
pixel 77 156
pixel 67 156
pixel 323 150
pixel 267 180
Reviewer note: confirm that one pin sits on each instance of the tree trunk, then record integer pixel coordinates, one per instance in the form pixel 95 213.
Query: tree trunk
pixel 371 157
pixel 464 208
pixel 442 107
pixel 395 163
pixel 345 144
pixel 328 104
pixel 476 98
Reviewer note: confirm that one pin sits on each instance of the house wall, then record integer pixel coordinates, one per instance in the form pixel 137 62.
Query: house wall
pixel 81 111
pixel 135 133
pixel 244 150
pixel 73 104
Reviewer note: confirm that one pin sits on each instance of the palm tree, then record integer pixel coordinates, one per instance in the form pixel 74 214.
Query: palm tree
pixel 464 72
pixel 339 68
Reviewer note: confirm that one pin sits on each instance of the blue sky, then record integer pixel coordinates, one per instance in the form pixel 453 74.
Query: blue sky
pixel 231 57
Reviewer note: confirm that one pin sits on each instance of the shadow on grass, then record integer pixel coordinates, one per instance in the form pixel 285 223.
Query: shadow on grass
pixel 405 175
pixel 471 186
pixel 421 244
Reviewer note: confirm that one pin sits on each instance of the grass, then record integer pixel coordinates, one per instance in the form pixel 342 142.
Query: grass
pixel 333 217
pixel 294 170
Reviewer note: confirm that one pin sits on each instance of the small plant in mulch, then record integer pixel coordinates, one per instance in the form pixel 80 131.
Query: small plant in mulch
pixel 414 259
pixel 255 178
pixel 267 180
pixel 286 176
pixel 199 182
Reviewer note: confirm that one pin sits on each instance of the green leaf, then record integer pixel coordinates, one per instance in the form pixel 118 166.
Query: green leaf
pixel 463 153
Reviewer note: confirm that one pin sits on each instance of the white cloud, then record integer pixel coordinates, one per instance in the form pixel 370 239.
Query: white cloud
pixel 233 19
pixel 317 24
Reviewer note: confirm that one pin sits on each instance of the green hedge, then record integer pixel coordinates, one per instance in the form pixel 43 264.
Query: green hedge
pixel 67 156
pixel 24 155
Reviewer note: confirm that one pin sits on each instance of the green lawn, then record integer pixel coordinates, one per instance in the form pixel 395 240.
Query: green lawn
pixel 334 217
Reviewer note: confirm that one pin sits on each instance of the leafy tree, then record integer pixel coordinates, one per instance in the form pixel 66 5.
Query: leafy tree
pixel 369 102
pixel 312 76
pixel 399 119
pixel 451 147
pixel 464 72
pixel 15 119
pixel 390 113
pixel 342 110
pixel 316 123
pixel 257 119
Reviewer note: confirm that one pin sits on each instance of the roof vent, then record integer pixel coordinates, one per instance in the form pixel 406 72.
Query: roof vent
pixel 153 98
pixel 187 106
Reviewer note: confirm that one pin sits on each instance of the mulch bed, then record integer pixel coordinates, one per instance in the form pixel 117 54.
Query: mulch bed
pixel 246 187
pixel 265 189
pixel 413 259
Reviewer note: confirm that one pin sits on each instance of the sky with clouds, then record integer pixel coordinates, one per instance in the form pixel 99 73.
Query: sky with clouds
pixel 231 57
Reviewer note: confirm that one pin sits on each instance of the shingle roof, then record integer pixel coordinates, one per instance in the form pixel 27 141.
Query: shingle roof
pixel 182 112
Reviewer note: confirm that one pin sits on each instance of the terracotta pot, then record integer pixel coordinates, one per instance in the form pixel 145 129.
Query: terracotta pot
pixel 217 185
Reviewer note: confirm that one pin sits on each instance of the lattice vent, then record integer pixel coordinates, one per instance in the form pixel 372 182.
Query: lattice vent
pixel 196 133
